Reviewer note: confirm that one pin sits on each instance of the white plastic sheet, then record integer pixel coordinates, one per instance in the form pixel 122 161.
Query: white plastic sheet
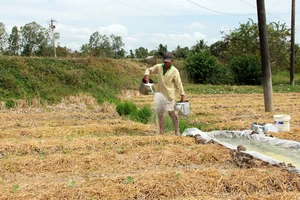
pixel 246 134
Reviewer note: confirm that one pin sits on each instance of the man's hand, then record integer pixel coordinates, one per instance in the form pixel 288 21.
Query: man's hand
pixel 182 98
pixel 146 78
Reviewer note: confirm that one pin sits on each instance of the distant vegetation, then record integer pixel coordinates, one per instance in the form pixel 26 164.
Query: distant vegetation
pixel 103 69
pixel 52 79
pixel 34 40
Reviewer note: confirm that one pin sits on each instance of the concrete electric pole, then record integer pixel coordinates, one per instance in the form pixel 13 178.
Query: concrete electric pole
pixel 265 56
pixel 292 58
pixel 52 26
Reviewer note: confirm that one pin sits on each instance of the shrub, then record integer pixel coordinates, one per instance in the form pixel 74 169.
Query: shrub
pixel 129 109
pixel 199 66
pixel 143 115
pixel 126 108
pixel 203 68
pixel 221 75
pixel 246 70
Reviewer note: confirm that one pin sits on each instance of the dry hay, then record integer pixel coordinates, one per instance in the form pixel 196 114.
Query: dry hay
pixel 79 153
pixel 239 111
pixel 128 94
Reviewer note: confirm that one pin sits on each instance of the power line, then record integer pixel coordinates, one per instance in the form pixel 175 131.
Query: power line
pixel 149 11
pixel 234 13
pixel 238 14
pixel 206 8
pixel 248 4
pixel 276 3
pixel 138 8
pixel 266 12
pixel 214 10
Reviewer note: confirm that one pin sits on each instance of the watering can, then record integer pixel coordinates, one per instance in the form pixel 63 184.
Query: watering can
pixel 183 108
pixel 146 88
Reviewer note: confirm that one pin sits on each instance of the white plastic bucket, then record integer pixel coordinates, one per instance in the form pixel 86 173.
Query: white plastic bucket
pixel 282 122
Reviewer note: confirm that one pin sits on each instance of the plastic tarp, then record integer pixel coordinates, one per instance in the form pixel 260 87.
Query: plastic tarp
pixel 246 134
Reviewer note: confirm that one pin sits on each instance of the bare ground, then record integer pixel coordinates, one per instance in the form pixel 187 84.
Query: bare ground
pixel 78 150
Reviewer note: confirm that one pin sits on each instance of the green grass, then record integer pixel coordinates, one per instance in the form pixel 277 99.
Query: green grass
pixel 245 89
pixel 50 80
pixel 284 78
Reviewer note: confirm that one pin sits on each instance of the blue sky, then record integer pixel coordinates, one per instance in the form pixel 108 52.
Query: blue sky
pixel 143 23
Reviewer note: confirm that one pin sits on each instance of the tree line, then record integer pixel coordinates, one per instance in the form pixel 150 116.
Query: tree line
pixel 34 40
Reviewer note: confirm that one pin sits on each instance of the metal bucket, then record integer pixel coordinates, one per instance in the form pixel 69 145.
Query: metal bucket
pixel 146 88
pixel 183 108
pixel 258 127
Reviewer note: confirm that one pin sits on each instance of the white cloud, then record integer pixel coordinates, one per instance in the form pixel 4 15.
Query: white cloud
pixel 72 45
pixel 196 26
pixel 199 36
pixel 141 23
pixel 116 29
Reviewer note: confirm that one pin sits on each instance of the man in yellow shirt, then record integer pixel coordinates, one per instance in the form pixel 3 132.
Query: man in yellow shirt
pixel 168 82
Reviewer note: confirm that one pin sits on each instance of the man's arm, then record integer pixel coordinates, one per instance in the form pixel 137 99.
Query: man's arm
pixel 149 71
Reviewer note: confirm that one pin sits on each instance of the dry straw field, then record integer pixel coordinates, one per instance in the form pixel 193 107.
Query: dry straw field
pixel 79 150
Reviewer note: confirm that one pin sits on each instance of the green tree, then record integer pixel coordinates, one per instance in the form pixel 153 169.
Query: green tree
pixel 297 51
pixel 181 53
pixel 245 40
pixel 217 49
pixel 3 38
pixel 131 54
pixel 35 40
pixel 153 52
pixel 14 42
pixel 85 50
pixel 279 46
pixel 117 46
pixel 99 45
pixel 200 46
pixel 246 70
pixel 62 51
pixel 200 67
pixel 161 49
pixel 141 52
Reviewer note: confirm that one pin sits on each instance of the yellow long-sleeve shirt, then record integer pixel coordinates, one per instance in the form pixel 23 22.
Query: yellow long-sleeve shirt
pixel 169 82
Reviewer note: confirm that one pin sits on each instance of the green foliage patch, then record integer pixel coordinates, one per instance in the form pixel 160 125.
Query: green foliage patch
pixel 52 79
pixel 202 68
pixel 246 70
pixel 127 108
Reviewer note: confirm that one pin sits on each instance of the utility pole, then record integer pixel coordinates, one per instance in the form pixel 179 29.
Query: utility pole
pixel 52 26
pixel 265 56
pixel 292 58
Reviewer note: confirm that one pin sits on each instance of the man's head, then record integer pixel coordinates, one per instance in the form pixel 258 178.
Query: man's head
pixel 167 57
